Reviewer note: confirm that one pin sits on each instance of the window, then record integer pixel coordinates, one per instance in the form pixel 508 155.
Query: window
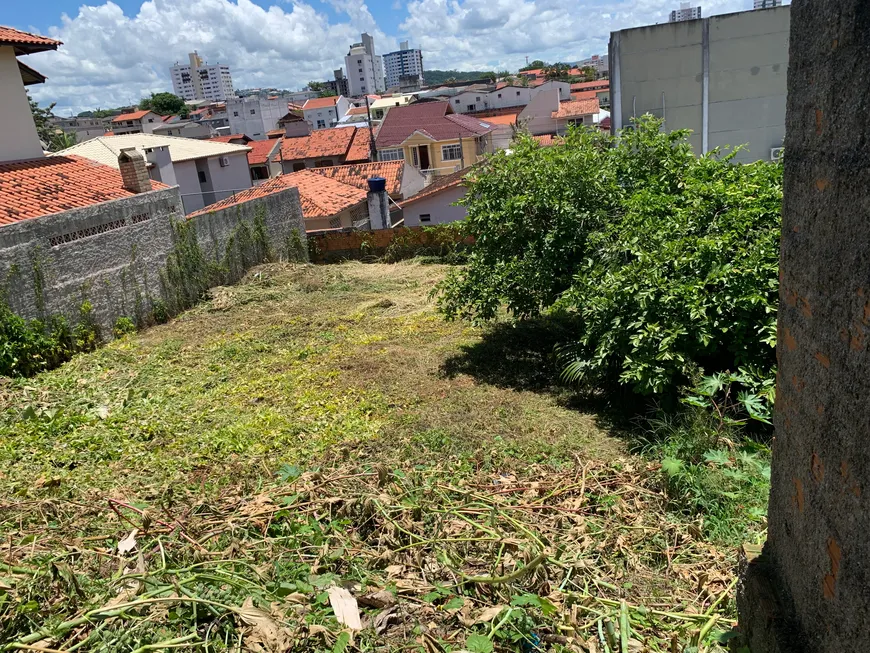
pixel 425 217
pixel 456 101
pixel 362 79
pixel 253 112
pixel 499 95
pixel 321 124
pixel 359 61
pixel 451 152
pixel 323 163
pixel 360 69
pixel 202 178
pixel 298 166
pixel 477 99
pixel 235 114
pixel 150 119
pixel 391 155
pixel 518 92
pixel 471 107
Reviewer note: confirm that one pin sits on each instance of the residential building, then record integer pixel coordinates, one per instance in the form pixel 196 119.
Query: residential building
pixel 487 97
pixel 356 116
pixel 432 138
pixel 205 171
pixel 184 129
pixel 403 181
pixel 254 115
pixel 403 62
pixel 599 89
pixel 200 81
pixel 508 95
pixel 435 204
pixel 599 62
pixel 365 69
pixel 339 84
pixel 324 112
pixel 723 78
pixel 83 128
pixel 380 107
pixel 766 4
pixel 137 122
pixel 326 147
pixel 685 12
pixel 235 139
pixel 299 97
pixel 294 124
pixel 263 159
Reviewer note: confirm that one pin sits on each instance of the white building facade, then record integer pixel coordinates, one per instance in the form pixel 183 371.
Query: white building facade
pixel 365 69
pixel 199 81
pixel 766 4
pixel 404 61
pixel 685 12
pixel 600 62
pixel 255 116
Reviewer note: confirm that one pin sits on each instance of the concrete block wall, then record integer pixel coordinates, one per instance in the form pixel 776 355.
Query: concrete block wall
pixel 113 254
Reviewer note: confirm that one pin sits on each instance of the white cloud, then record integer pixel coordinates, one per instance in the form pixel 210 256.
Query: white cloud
pixel 109 58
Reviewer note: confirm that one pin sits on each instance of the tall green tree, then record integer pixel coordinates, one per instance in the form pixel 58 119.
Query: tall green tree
pixel 163 104
pixel 42 119
pixel 537 63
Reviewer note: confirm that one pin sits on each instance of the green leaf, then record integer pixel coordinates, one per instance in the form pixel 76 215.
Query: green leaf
pixel 478 643
pixel 341 642
pixel 672 466
pixel 289 473
pixel 455 603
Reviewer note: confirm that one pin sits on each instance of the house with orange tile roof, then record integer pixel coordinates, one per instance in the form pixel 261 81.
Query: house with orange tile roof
pixel 436 203
pixel 325 147
pixel 324 112
pixel 402 180
pixel 545 114
pixel 263 159
pixel 136 122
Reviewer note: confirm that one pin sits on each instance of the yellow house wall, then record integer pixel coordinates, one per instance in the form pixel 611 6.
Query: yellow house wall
pixel 469 151
pixel 318 224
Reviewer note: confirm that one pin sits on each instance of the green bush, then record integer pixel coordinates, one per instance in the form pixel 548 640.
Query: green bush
pixel 669 261
pixel 123 326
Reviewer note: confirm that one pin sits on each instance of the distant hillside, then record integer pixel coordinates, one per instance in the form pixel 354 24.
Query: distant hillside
pixel 434 77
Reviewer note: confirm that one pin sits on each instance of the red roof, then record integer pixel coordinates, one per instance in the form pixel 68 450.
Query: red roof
pixel 349 142
pixel 357 111
pixel 576 108
pixel 30 189
pixel 504 119
pixel 438 185
pixel 260 151
pixel 320 196
pixel 25 42
pixel 431 119
pixel 359 173
pixel 546 140
pixel 320 103
pixel 135 115
pixel 599 84
pixel 584 95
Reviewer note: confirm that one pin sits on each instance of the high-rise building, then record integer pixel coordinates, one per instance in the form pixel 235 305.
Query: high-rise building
pixel 200 81
pixel 766 4
pixel 685 12
pixel 365 69
pixel 403 63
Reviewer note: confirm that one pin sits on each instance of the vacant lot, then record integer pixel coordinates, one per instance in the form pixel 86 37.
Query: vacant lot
pixel 217 481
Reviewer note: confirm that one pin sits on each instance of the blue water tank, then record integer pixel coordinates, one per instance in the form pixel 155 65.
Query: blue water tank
pixel 377 184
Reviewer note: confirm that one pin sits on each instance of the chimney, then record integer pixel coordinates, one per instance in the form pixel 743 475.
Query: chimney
pixel 379 204
pixel 134 173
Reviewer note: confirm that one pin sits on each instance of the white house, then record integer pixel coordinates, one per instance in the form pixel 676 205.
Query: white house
pixel 564 89
pixel 137 122
pixel 435 203
pixel 255 116
pixel 325 112
pixel 537 117
pixel 205 171
pixel 510 96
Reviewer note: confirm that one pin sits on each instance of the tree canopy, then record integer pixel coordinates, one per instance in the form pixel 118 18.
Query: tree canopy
pixel 165 104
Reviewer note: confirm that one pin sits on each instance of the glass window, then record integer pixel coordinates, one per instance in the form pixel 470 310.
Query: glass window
pixel 451 152
pixel 425 217
pixel 298 166
pixel 499 95
pixel 518 92
pixel 253 112
pixel 321 124
pixel 391 155
pixel 202 178
pixel 456 101
pixel 235 114
pixel 471 107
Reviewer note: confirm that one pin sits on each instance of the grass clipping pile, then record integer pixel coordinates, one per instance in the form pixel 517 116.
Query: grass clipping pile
pixel 368 558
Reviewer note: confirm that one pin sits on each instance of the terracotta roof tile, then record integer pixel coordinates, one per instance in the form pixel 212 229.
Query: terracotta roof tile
pixel 546 140
pixel 261 151
pixel 505 119
pixel 25 42
pixel 596 85
pixel 30 189
pixel 576 108
pixel 135 115
pixel 358 174
pixel 357 111
pixel 323 143
pixel 361 148
pixel 430 118
pixel 440 184
pixel 320 196
pixel 584 95
pixel 320 103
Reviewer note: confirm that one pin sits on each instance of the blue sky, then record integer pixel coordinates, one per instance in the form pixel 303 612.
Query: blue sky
pixel 117 51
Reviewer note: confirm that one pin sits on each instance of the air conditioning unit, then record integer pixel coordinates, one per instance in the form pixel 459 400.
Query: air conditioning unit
pixel 776 153
pixel 225 161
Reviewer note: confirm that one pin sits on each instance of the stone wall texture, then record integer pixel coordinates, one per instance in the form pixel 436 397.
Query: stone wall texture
pixel 113 254
pixel 818 550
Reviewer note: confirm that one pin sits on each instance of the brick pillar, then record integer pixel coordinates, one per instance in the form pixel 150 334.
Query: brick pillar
pixel 810 588
pixel 134 173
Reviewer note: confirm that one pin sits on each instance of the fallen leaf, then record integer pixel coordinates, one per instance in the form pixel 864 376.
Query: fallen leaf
pixel 488 614
pixel 385 619
pixel 128 543
pixel 431 644
pixel 265 631
pixel 381 599
pixel 345 607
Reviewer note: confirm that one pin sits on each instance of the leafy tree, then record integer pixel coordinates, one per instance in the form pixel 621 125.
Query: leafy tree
pixel 537 63
pixel 667 262
pixel 42 119
pixel 436 77
pixel 163 104
pixel 557 71
pixel 321 89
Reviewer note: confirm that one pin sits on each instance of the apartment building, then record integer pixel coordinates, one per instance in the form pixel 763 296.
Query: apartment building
pixel 200 81
pixel 722 77
pixel 255 116
pixel 685 12
pixel 766 4
pixel 403 63
pixel 136 122
pixel 365 69
pixel 600 63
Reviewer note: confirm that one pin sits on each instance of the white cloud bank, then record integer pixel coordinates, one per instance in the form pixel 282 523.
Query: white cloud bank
pixel 109 58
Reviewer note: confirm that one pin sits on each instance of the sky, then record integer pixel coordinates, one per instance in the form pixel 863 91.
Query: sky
pixel 116 52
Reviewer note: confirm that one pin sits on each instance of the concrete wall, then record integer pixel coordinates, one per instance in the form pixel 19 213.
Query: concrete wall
pixel 722 77
pixel 112 254
pixel 817 555
pixel 221 182
pixel 265 116
pixel 18 138
pixel 511 96
pixel 537 116
pixel 437 206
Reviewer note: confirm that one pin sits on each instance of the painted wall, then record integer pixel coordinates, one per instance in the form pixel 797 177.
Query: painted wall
pixel 437 206
pixel 469 149
pixel 722 77
pixel 537 116
pixel 511 96
pixel 329 115
pixel 220 182
pixel 18 138
pixel 470 101
pixel 188 185
pixel 229 179
pixel 256 116
pixel 112 254
pixel 564 89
